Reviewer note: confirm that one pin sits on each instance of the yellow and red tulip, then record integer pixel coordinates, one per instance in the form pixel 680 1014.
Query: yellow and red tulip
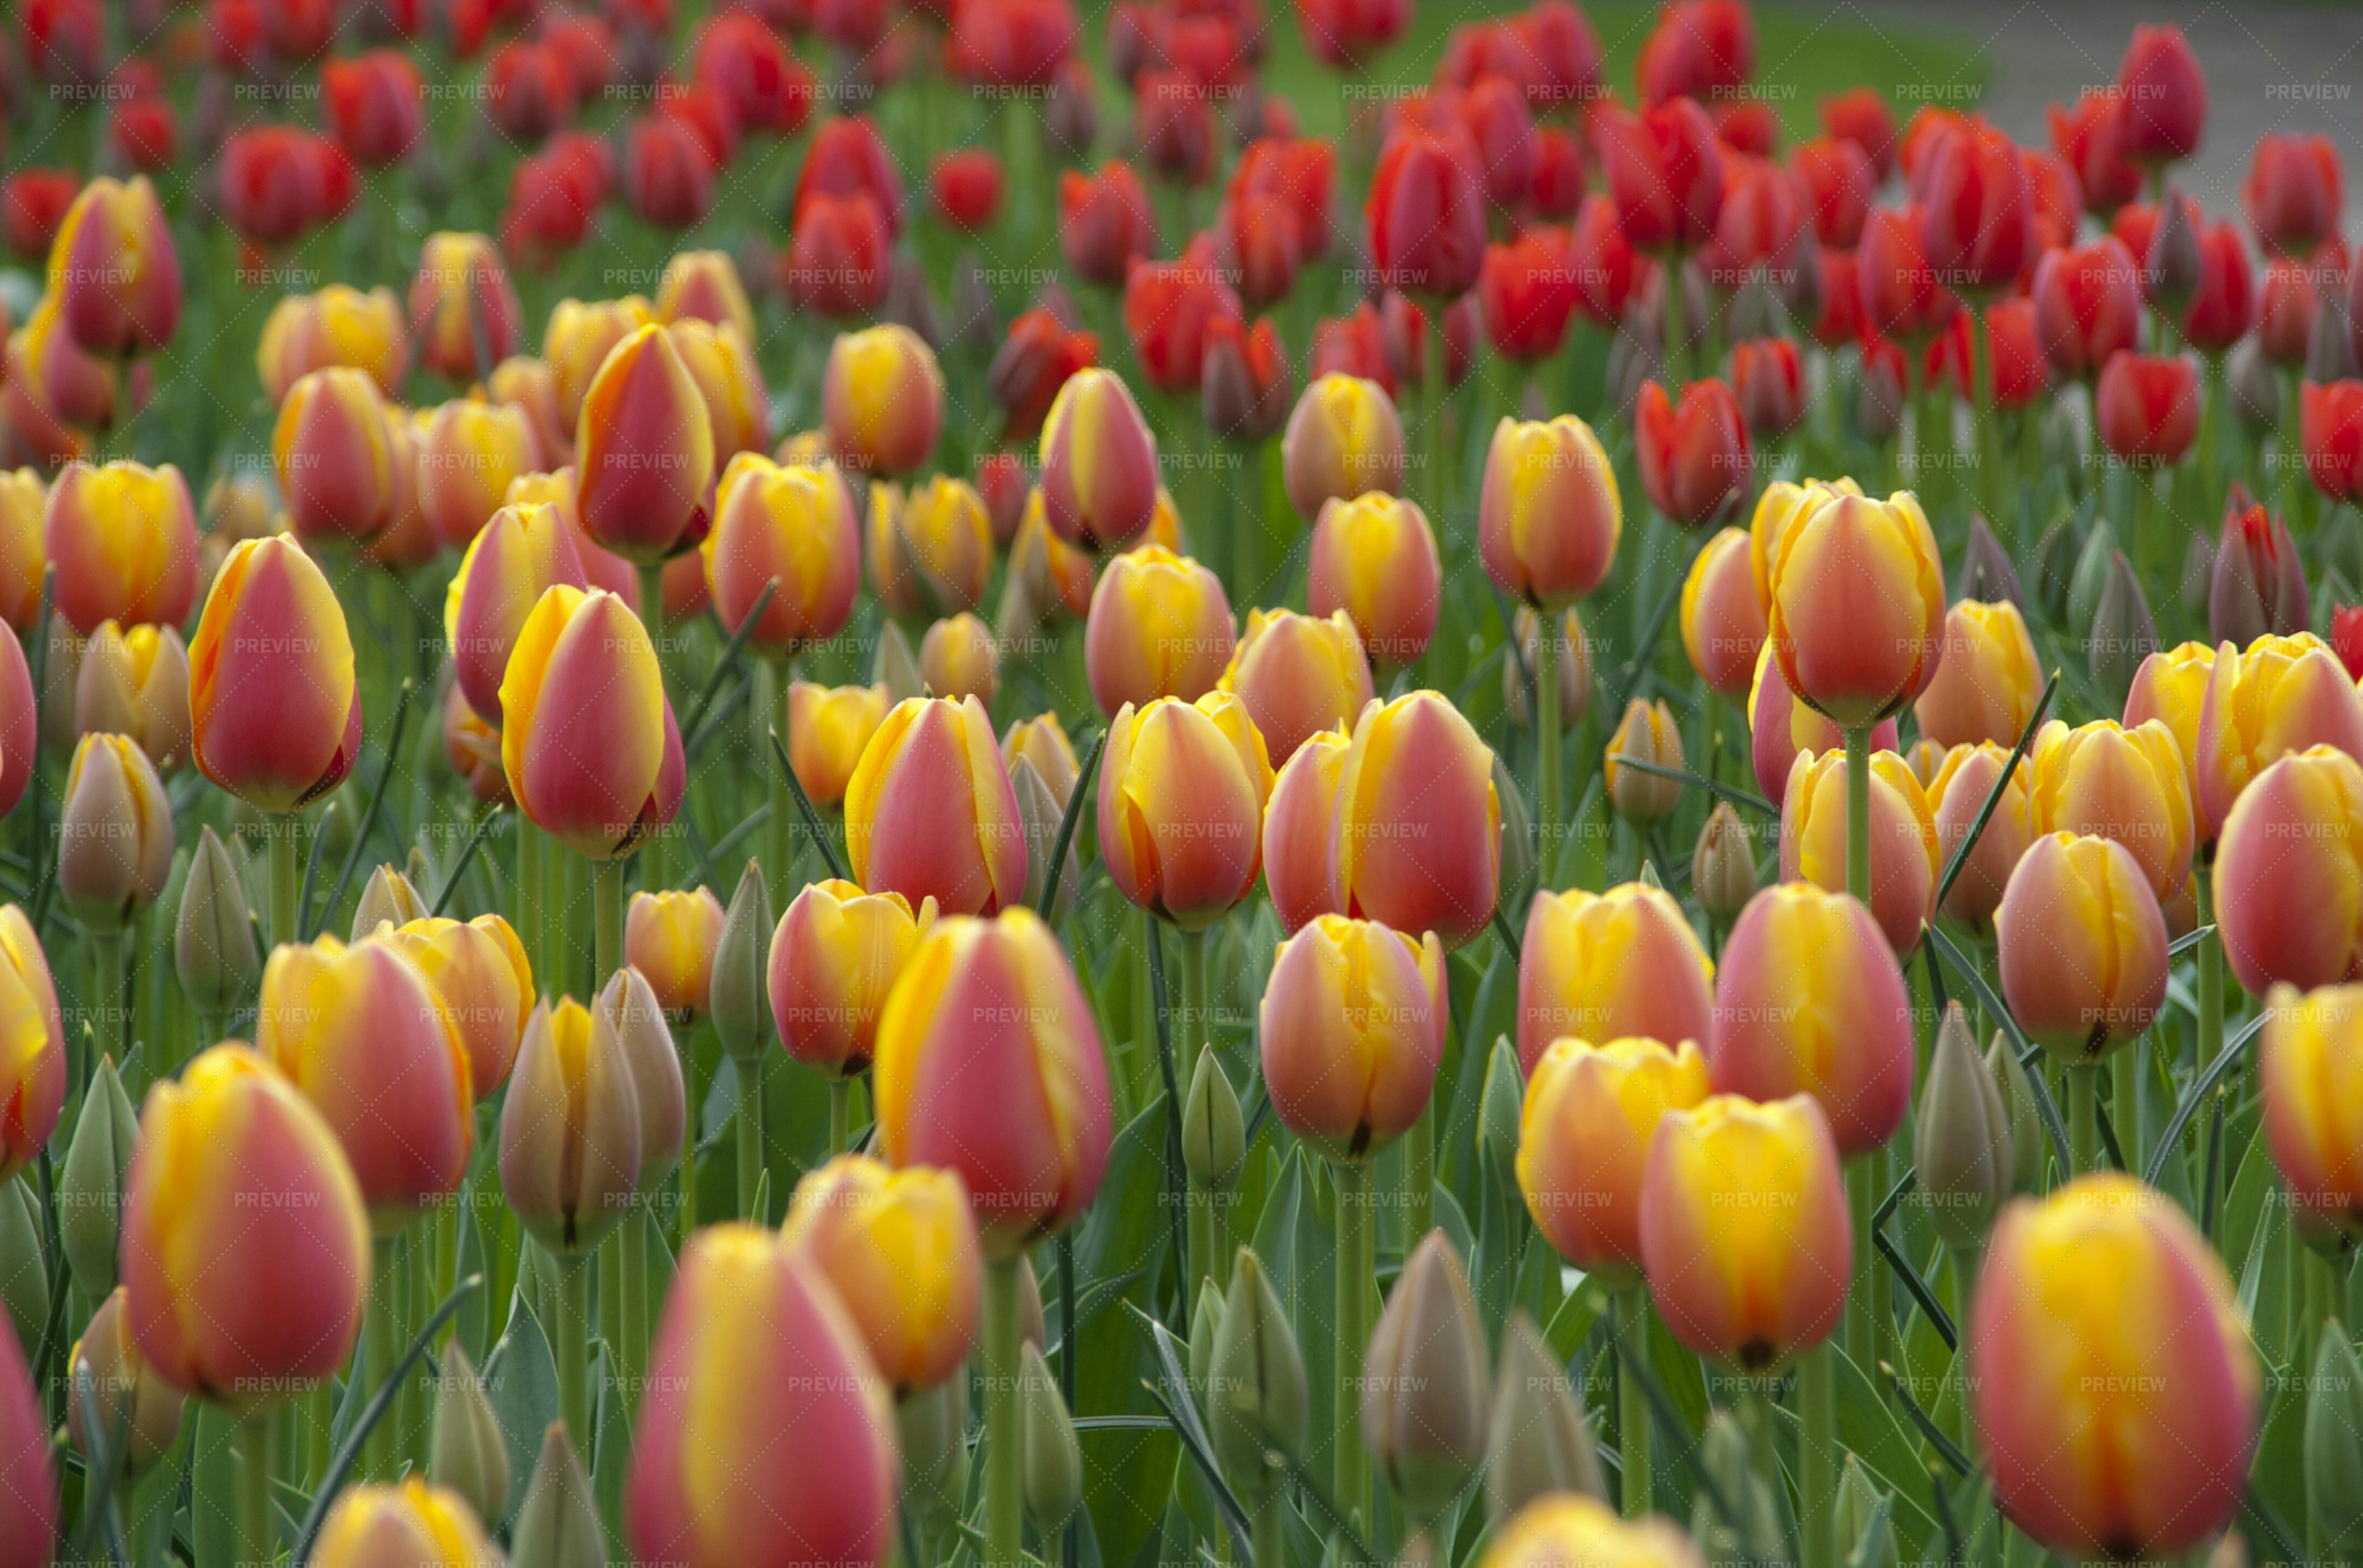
pixel 479 968
pixel 463 309
pixel 416 1522
pixel 703 285
pixel 1722 617
pixel 1374 557
pixel 136 683
pixel 929 813
pixel 644 458
pixel 1989 681
pixel 1583 1141
pixel 1298 674
pixel 1904 863
pixel 124 540
pixel 2276 695
pixel 1783 504
pixel 33 1049
pixel 792 526
pixel 526 385
pixel 1298 870
pixel 1042 740
pixel 1416 841
pixel 115 270
pixel 1159 627
pixel 114 833
pixel 1855 606
pixel 669 936
pixel 333 456
pixel 1352 1029
pixel 127 1395
pixel 578 340
pixel 521 552
pixel 2310 1069
pixel 274 705
pixel 931 551
pixel 338 325
pixel 1599 966
pixel 1548 515
pixel 1646 733
pixel 23 556
pixel 960 658
pixel 833 958
pixel 1563 1527
pixel 2289 875
pixel 738 405
pixel 900 1248
pixel 1181 793
pixel 2082 945
pixel 468 455
pixel 1781 729
pixel 1099 463
pixel 881 399
pixel 2120 783
pixel 1956 794
pixel 1344 439
pixel 828 727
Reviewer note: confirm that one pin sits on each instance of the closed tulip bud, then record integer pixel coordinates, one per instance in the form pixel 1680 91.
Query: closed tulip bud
pixel 1957 793
pixel 1352 1029
pixel 2122 631
pixel 827 728
pixel 115 834
pixel 1962 1137
pixel 115 270
pixel 579 339
pixel 1517 840
pixel 2103 1327
pixel 1583 1141
pixel 628 1012
pixel 387 899
pixel 930 812
pixel 557 1524
pixel 2171 687
pixel 1904 863
pixel 2310 1070
pixel 1540 1442
pixel 330 450
pixel 1181 807
pixel 1257 1403
pixel 669 936
pixel 1695 457
pixel 1809 1000
pixel 138 1412
pixel 931 553
pixel 1424 1381
pixel 794 529
pixel 1213 1134
pixel 1159 626
pixel 2334 1442
pixel 931 1427
pixel 737 406
pixel 1601 966
pixel 2029 1152
pixel 736 986
pixel 417 1521
pixel 271 624
pixel 1989 680
pixel 580 655
pixel 1375 559
pixel 468 1456
pixel 124 540
pixel 2289 875
pixel 1042 740
pixel 2082 946
pixel 958 659
pixel 1298 674
pixel 2259 583
pixel 463 309
pixel 1722 617
pixel 1723 866
pixel 900 1248
pixel 2125 785
pixel 213 948
pixel 1754 1295
pixel 338 325
pixel 24 1264
pixel 644 451
pixel 570 1135
pixel 1099 463
pixel 90 1183
pixel 1041 810
pixel 1566 1529
pixel 1053 1468
pixel 1298 870
pixel 1647 734
pixel 833 960
pixel 1548 515
pixel 1344 439
pixel 522 550
pixel 881 399
pixel 246 1250
pixel 1574 668
pixel 1416 841
pixel 2279 695
pixel 1857 597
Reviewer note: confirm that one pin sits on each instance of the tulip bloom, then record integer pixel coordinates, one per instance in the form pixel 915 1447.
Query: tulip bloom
pixel 1694 457
pixel 1583 1141
pixel 834 957
pixel 34 1085
pixel 1181 795
pixel 900 1248
pixel 1297 676
pixel 1105 221
pixel 2330 420
pixel 1548 515
pixel 1169 307
pixel 988 1065
pixel 338 325
pixel 2172 687
pixel 2259 583
pixel 246 1250
pixel 1099 463
pixel 1956 793
pixel 2279 695
pixel 114 831
pixel 746 1315
pixel 827 729
pixel 1989 680
pixel 1664 174
pixel 374 105
pixel 2292 191
pixel 479 969
pixel 1426 212
pixel 1722 620
pixel 1352 1030
pixel 838 264
pixel 579 339
pixel 1857 607
pixel 931 553
pixel 1526 292
pixel 1599 966
pixel 1159 626
pixel 2124 784
pixel 132 684
pixel 272 629
pixel 1298 870
pixel 1976 212
pixel 588 739
pixel 1344 439
pixel 23 501
pixel 2165 97
pixel 1416 839
pixel 644 451
pixel 2111 1373
pixel 669 936
pixel 114 272
pixel 2147 406
pixel 1904 863
pixel 881 399
pixel 1569 1527
pixel 2311 1073
pixel 791 528
pixel 1754 1294
pixel 423 1522
pixel 930 812
pixel 1375 559
pixel 2087 305
pixel 123 540
pixel 521 552
pixel 2082 946
pixel 2289 875
pixel 463 309
pixel 1902 299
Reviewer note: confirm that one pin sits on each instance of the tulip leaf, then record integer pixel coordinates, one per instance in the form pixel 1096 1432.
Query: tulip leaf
pixel 359 845
pixel 804 807
pixel 1574 1319
pixel 2188 941
pixel 521 1381
pixel 213 1488
pixel 2199 1089
pixel 1732 793
pixel 1174 1397
pixel 1065 839
pixel 489 818
pixel 2045 1107
pixel 1869 1428
pixel 1877 1535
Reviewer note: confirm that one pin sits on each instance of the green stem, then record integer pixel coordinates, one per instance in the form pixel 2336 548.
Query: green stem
pixel 1676 345
pixel 1547 745
pixel 284 834
pixel 532 845
pixel 1817 1452
pixel 1632 1309
pixel 1858 752
pixel 608 911
pixel 633 1348
pixel 688 1134
pixel 1195 1026
pixel 1004 1459
pixel 319 1421
pixel 381 1330
pixel 258 1538
pixel 106 960
pixel 1434 480
pixel 767 703
pixel 573 1343
pixel 749 1116
pixel 1419 1176
pixel 2211 969
pixel 1269 1540
pixel 1982 415
pixel 610 1265
pixel 840 1114
pixel 2083 1116
pixel 1354 1269
pixel 2124 1098
pixel 1861 1319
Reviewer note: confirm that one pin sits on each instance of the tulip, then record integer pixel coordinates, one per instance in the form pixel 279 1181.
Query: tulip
pixel 1244 389
pixel 114 831
pixel 374 105
pixel 569 1134
pixel 2259 583
pixel 2118 784
pixel 36 1045
pixel 132 684
pixel 1099 463
pixel 1298 872
pixel 833 960
pixel 1159 626
pixel 2224 306
pixel 1297 676
pixel 839 262
pixel 932 552
pixel 1956 794
pixel 1345 34
pixel 966 184
pixel 2281 695
pixel 1758 1294
pixel 1602 966
pixel 1548 515
pixel 479 970
pixel 1989 680
pixel 703 285
pixel 1352 1030
pixel 2170 687
pixel 793 528
pixel 2165 97
pixel 827 728
pixel 1694 457
pixel 1526 292
pixel 2111 1373
pixel 1904 863
pixel 1344 439
pixel 988 1065
pixel 1902 299
pixel 2307 1069
pixel 1030 368
pixel 900 1247
pixel 115 270
pixel 1857 606
pixel 1574 668
pixel 2331 422
pixel 415 1522
pixel 644 451
pixel 588 740
pixel 746 1313
pixel 23 500
pixel 124 540
pixel 1416 838
pixel 881 399
pixel 1182 794
pixel 463 310
pixel 1976 212
pixel 1105 221
pixel 1723 620
pixel 1664 174
pixel 668 938
pixel 246 1248
pixel 1584 1136
pixel 20 724
pixel 929 811
pixel 1646 733
pixel 521 552
pixel 273 627
pixel 135 1408
pixel 2292 191
pixel 338 325
pixel 472 748
pixel 960 658
pixel 2287 889
pixel 1169 310
pixel 1375 559
pixel 1567 1527
pixel 1423 1394
pixel 2147 406
pixel 2082 945
pixel 579 339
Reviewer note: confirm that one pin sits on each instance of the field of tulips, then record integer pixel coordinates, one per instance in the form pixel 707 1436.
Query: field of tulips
pixel 800 782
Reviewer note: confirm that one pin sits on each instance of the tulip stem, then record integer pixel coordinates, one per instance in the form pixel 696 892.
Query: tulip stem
pixel 257 1540
pixel 573 1343
pixel 2124 1099
pixel 1004 1459
pixel 840 1114
pixel 607 914
pixel 1439 487
pixel 1632 1307
pixel 2083 1116
pixel 380 1332
pixel 2211 969
pixel 1858 752
pixel 766 707
pixel 1982 413
pixel 1354 1267
pixel 1269 1540
pixel 1677 348
pixel 1817 1463
pixel 633 1354
pixel 106 960
pixel 532 845
pixel 1546 746
pixel 1861 1319
pixel 286 874
pixel 749 1117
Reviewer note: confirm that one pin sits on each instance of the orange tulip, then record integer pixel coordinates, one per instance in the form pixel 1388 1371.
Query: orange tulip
pixel 881 399
pixel 834 957
pixel 1182 794
pixel 1416 842
pixel 1344 439
pixel 1601 966
pixel 1956 794
pixel 2082 946
pixel 2125 785
pixel 827 729
pixel 522 552
pixel 931 551
pixel 1298 871
pixel 479 968
pixel 1989 681
pixel 791 528
pixel 929 813
pixel 1583 1142
pixel 900 1248
pixel 644 451
pixel 123 540
pixel 1722 617
pixel 1098 462
pixel 2289 875
pixel 2279 695
pixel 273 704
pixel 338 325
pixel 333 457
pixel 1298 675
pixel 1904 863
pixel 1351 1032
pixel 1855 605
pixel 669 936
pixel 136 683
pixel 470 452
pixel 1160 627
pixel 579 339
pixel 1375 559
pixel 1548 515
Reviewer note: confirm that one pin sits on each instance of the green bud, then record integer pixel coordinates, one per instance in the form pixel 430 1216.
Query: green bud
pixel 90 1188
pixel 1987 575
pixel 1039 813
pixel 2123 632
pixel 1256 1400
pixel 2334 1443
pixel 468 1454
pixel 213 944
pixel 1755 1537
pixel 1499 1112
pixel 1857 1501
pixel 1518 833
pixel 1961 1137
pixel 1424 1382
pixel 557 1524
pixel 1213 1133
pixel 2055 568
pixel 24 1276
pixel 1723 866
pixel 896 668
pixel 1205 1327
pixel 741 1016
pixel 1540 1442
pixel 1054 1458
pixel 2198 576
pixel 388 900
pixel 2089 569
pixel 1649 876
pixel 935 1449
pixel 2028 1146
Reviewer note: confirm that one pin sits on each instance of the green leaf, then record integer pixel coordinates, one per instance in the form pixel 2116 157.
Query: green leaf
pixel 1867 1428
pixel 213 1489
pixel 1573 1320
pixel 521 1381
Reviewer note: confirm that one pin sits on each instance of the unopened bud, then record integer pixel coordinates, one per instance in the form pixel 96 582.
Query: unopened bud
pixel 1518 675
pixel 1857 1505
pixel 2255 387
pixel 2334 1444
pixel 90 1188
pixel 1499 1111
pixel 1517 834
pixel 2123 632
pixel 2330 346
pixel 469 1454
pixel 1987 575
pixel 388 900
pixel 115 834
pixel 2173 262
pixel 1755 1535
pixel 2027 1147
pixel 2089 572
pixel 896 668
pixel 213 944
pixel 135 1406
pixel 1723 867
pixel 2054 567
pixel 557 1524
pixel 1879 403
pixel 1039 813
pixel 1424 1382
pixel 1213 1133
pixel 1054 1458
pixel 1256 1400
pixel 1540 1442
pixel 1962 1137
pixel 1648 734
pixel 739 1012
pixel 934 1449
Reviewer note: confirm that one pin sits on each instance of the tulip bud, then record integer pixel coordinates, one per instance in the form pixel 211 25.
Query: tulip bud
pixel 735 990
pixel 1344 439
pixel 1181 807
pixel 480 971
pixel 387 899
pixel 1988 684
pixel 2123 632
pixel 1846 559
pixel 557 1523
pixel 334 461
pixel 115 270
pixel 137 1408
pixel 1601 966
pixel 136 683
pixel 2170 272
pixel 1540 1442
pixel 1054 1458
pixel 958 659
pixel 1040 811
pixel 1723 867
pixel 2278 695
pixel 2082 946
pixel 827 728
pixel 1987 575
pixel 881 399
pixel 1903 858
pixel 1374 557
pixel 1350 1080
pixel 931 1425
pixel 930 812
pixel 272 624
pixel 628 1011
pixel 1858 1503
pixel 1722 620
pixel 463 309
pixel 1962 1137
pixel 1256 1398
pixel 24 1270
pixel 2254 387
pixel 669 936
pixel 570 1135
pixel 578 653
pixel 2118 784
pixel 514 554
pixel 1213 1134
pixel 213 940
pixel 2311 1074
pixel 1098 462
pixel 1548 515
pixel 722 363
pixel 124 540
pixel 469 1455
pixel 1963 782
pixel 1159 626
pixel 2334 1443
pixel 580 337
pixel 1298 674
pixel 895 670
pixel 2259 583
pixel 900 1247
pixel 1646 733
pixel 644 451
pixel 930 553
pixel 114 833
pixel 1424 1382
pixel 90 1186
pixel 1500 1107
pixel 1416 838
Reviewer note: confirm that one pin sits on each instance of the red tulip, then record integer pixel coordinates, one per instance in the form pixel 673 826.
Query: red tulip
pixel 1344 34
pixel 2290 296
pixel 1033 362
pixel 32 204
pixel 2346 637
pixel 1860 115
pixel 2136 224
pixel 755 72
pixel 373 104
pixel 1244 392
pixel 298 30
pixel 529 92
pixel 1760 221
pixel 1167 309
pixel 2331 421
pixel 2090 137
pixel 854 26
pixel 966 186
pixel 847 157
pixel 667 176
pixel 1304 169
pixel 1012 43
pixel 1556 188
pixel 1767 378
pixel 838 263
pixel 549 211
pixel 2059 205
pixel 1695 457
pixel 144 131
pixel 1838 183
pixel 1259 234
pixel 1976 211
pixel 1351 345
pixel 1526 292
pixel 2291 194
pixel 1474 51
pixel 2224 307
pixel 1840 321
pixel 1603 263
pixel 64 40
pixel 1699 49
pixel 1747 125
pixel 2165 97
pixel 1104 222
pixel 1558 42
pixel 278 181
pixel 1902 296
pixel 2147 406
pixel 1175 120
pixel 1663 174
pixel 2020 371
pixel 708 117
pixel 2087 305
pixel 1495 115
pixel 1427 215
